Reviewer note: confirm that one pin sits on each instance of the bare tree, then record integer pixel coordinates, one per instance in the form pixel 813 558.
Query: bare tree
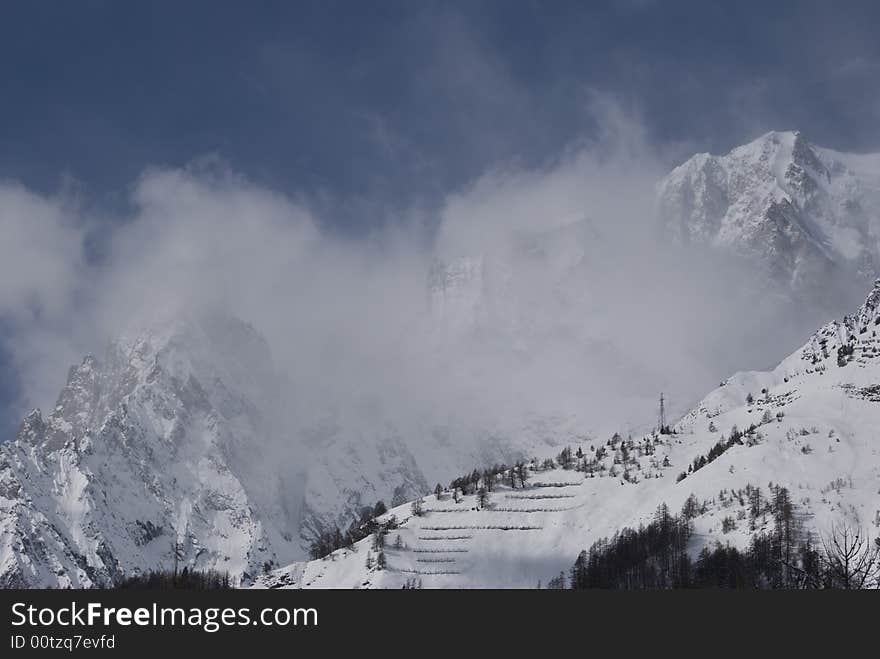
pixel 852 561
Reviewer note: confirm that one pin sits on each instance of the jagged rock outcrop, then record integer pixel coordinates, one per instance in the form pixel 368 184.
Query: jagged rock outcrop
pixel 163 446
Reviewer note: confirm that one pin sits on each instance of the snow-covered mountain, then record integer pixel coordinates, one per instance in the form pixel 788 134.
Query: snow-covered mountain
pixel 184 440
pixel 809 425
pixel 163 446
pixel 179 441
pixel 804 212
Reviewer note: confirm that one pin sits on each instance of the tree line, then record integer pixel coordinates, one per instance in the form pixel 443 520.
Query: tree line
pixel 186 579
pixel 737 438
pixel 655 555
pixel 366 524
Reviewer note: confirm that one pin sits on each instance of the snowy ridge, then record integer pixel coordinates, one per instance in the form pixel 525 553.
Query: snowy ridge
pixel 809 425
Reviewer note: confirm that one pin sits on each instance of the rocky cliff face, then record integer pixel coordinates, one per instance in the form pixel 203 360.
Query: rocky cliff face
pixel 163 446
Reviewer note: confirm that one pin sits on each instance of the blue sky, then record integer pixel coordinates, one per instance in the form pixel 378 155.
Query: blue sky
pixel 365 110
pixel 364 105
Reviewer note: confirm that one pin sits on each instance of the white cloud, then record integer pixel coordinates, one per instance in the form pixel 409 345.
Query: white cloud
pixel 583 312
pixel 40 253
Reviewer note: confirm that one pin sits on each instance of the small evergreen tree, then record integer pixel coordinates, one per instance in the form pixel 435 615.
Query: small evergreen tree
pixel 416 507
pixel 378 540
pixel 523 473
pixel 691 507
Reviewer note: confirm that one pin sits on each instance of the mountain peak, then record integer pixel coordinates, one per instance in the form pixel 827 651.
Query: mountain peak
pixel 32 426
pixel 776 152
pixel 794 208
pixel 869 312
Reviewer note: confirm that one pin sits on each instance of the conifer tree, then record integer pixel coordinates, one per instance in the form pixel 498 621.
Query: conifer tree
pixel 482 497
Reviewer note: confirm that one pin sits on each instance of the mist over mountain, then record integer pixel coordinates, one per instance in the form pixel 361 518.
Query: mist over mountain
pixel 770 463
pixel 266 380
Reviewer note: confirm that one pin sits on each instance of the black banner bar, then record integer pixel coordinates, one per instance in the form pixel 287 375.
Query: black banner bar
pixel 111 622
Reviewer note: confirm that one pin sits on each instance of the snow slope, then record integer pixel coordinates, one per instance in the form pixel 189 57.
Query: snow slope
pixel 812 425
